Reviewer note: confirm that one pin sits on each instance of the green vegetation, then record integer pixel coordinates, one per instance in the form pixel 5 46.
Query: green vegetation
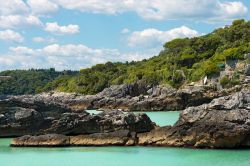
pixel 224 81
pixel 28 81
pixel 181 61
pixel 227 82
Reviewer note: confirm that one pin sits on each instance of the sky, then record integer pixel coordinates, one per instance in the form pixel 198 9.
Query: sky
pixel 75 34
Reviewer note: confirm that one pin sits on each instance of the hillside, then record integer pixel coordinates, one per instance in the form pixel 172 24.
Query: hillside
pixel 32 81
pixel 182 61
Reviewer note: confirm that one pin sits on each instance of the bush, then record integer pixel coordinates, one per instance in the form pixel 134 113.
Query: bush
pixel 224 81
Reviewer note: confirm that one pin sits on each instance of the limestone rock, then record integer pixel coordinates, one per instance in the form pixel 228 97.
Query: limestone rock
pixel 44 114
pixel 42 140
pixel 223 123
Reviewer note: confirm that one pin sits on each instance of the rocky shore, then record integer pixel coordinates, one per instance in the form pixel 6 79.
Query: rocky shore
pixel 126 97
pixel 36 116
pixel 222 123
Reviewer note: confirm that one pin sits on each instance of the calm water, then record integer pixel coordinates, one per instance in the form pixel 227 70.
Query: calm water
pixel 122 156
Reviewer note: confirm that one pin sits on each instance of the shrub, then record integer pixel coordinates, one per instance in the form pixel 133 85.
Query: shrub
pixel 224 81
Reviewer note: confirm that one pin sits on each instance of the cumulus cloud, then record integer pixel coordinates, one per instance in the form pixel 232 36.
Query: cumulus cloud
pixel 14 21
pixel 9 35
pixel 162 9
pixel 15 13
pixel 44 40
pixel 42 7
pixel 231 9
pixel 62 57
pixel 53 27
pixel 154 37
pixel 13 7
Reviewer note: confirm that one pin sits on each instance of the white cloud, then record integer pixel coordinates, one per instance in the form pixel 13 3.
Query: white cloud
pixel 63 57
pixel 215 10
pixel 21 50
pixel 13 7
pixel 44 40
pixel 154 37
pixel 42 7
pixel 16 13
pixel 125 30
pixel 94 6
pixel 14 21
pixel 53 27
pixel 9 35
pixel 232 10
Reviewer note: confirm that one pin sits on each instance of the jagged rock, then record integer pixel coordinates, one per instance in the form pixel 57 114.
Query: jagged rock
pixel 127 97
pixel 247 70
pixel 36 115
pixel 223 123
pixel 75 123
pixel 27 115
pixel 124 90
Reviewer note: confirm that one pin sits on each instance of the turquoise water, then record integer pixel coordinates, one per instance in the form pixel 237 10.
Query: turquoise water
pixel 121 156
pixel 164 118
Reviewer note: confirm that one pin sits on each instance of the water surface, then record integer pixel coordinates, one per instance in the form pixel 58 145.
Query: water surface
pixel 120 156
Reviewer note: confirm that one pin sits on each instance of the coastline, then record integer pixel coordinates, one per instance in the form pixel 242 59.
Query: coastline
pixel 225 114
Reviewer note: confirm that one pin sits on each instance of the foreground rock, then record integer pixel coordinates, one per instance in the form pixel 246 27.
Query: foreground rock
pixel 42 140
pixel 116 138
pixel 36 115
pixel 223 123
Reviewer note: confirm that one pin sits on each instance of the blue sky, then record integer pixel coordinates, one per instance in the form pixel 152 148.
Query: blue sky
pixel 75 34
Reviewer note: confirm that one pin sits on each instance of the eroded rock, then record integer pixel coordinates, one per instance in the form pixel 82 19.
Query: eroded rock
pixel 223 123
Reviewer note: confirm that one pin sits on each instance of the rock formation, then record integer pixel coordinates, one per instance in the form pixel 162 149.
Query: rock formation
pixel 116 138
pixel 35 115
pixel 133 97
pixel 223 123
